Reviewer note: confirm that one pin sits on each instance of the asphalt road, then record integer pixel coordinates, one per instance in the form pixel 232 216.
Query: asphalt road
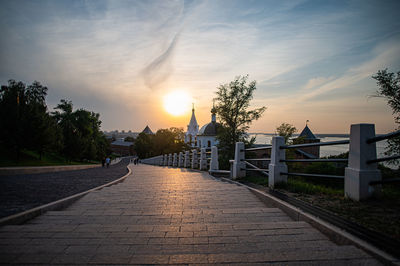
pixel 23 192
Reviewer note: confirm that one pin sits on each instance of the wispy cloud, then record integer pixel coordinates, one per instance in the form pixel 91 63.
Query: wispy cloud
pixel 386 54
pixel 305 55
pixel 315 82
pixel 160 69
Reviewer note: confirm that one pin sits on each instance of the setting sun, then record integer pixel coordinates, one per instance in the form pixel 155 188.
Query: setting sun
pixel 177 102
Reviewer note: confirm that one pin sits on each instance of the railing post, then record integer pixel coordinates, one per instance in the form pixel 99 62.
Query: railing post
pixel 195 161
pixel 359 174
pixel 175 160
pixel 214 159
pixel 276 167
pixel 239 166
pixel 165 162
pixel 180 159
pixel 203 159
pixel 186 163
pixel 170 159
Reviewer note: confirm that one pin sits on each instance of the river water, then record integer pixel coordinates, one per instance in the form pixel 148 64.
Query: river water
pixel 325 150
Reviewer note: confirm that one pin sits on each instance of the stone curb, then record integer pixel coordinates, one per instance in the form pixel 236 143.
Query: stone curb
pixel 43 169
pixel 22 217
pixel 336 234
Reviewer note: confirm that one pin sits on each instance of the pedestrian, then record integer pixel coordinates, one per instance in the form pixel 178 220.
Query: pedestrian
pixel 108 161
pixel 103 162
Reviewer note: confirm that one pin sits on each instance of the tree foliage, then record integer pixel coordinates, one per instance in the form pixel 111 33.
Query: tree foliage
pixel 164 141
pixel 81 131
pixel 389 88
pixel 24 119
pixel 27 124
pixel 232 107
pixel 286 130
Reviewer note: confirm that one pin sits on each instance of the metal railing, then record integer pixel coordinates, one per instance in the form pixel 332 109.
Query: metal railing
pixel 384 159
pixel 315 144
pixel 361 173
pixel 252 166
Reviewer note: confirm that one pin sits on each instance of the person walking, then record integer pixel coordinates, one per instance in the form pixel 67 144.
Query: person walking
pixel 103 162
pixel 108 162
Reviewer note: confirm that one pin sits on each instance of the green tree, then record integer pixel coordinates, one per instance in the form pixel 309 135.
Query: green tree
pixel 164 141
pixel 232 107
pixel 45 134
pixel 286 130
pixel 66 120
pixel 24 119
pixel 144 145
pixel 169 141
pixel 389 88
pixel 81 133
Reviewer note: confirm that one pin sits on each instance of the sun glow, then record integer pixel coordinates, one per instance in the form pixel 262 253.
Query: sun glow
pixel 177 102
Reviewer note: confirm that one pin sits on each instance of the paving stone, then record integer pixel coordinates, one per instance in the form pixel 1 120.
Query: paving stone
pixel 149 259
pixel 163 215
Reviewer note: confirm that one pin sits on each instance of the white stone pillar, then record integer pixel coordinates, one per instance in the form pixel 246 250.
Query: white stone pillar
pixel 187 159
pixel 203 159
pixel 276 167
pixel 170 159
pixel 214 165
pixel 358 174
pixel 195 160
pixel 175 160
pixel 180 159
pixel 239 165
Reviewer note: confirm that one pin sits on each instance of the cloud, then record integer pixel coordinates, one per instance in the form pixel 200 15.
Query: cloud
pixel 386 54
pixel 161 68
pixel 314 82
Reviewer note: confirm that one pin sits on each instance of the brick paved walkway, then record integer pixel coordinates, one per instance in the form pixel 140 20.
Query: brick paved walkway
pixel 162 215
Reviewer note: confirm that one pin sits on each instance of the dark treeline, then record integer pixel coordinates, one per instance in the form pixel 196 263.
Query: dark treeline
pixel 26 124
pixel 165 141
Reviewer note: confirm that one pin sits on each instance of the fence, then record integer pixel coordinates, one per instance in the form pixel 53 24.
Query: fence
pixel 361 177
pixel 203 159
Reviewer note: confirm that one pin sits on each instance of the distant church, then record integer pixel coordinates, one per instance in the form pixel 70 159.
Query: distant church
pixel 206 136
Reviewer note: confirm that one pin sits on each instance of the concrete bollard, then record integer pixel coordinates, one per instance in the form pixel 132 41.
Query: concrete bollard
pixel 180 159
pixel 359 173
pixel 203 159
pixel 239 166
pixel 186 163
pixel 195 161
pixel 276 167
pixel 175 160
pixel 214 165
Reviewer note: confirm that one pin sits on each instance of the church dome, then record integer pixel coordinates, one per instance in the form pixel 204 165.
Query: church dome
pixel 209 129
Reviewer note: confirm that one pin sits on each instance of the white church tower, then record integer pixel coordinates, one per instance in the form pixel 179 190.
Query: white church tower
pixel 192 130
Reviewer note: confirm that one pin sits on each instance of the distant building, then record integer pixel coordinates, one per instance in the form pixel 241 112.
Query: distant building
pixel 147 130
pixel 207 135
pixel 123 148
pixel 118 135
pixel 306 136
pixel 192 130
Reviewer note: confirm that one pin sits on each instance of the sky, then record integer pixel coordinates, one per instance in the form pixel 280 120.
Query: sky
pixel 312 60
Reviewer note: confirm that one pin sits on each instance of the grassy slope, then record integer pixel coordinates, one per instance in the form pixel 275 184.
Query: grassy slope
pixel 380 213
